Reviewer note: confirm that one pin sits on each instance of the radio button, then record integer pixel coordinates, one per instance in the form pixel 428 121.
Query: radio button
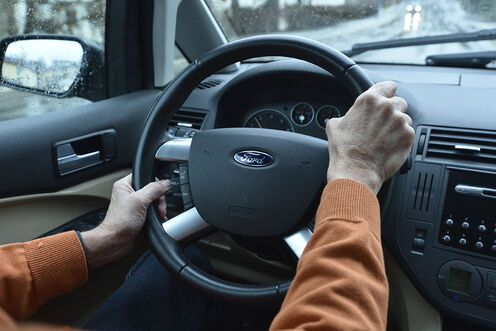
pixel 465 225
pixel 493 248
pixel 479 245
pixel 463 241
pixel 449 222
pixel 446 238
pixel 482 228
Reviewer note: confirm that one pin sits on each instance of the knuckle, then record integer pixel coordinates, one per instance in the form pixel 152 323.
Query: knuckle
pixel 369 98
pixel 331 124
pixel 387 105
pixel 398 119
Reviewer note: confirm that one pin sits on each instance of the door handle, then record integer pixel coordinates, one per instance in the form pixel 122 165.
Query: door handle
pixel 69 161
pixel 86 151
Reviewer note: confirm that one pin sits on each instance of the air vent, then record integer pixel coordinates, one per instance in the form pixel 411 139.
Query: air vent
pixel 188 118
pixel 209 83
pixel 423 191
pixel 462 146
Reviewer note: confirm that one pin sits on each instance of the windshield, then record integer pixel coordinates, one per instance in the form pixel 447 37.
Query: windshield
pixel 342 23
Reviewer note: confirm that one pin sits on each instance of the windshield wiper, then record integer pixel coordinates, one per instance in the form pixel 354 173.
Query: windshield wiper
pixel 469 60
pixel 489 34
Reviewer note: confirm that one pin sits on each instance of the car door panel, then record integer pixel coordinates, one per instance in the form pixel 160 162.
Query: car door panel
pixel 27 217
pixel 26 144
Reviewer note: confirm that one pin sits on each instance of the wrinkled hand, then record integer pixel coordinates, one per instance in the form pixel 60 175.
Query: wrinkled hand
pixel 371 142
pixel 126 214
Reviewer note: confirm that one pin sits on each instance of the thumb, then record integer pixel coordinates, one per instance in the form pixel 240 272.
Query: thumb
pixel 153 191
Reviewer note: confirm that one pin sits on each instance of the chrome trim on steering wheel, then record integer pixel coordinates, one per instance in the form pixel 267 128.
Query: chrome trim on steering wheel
pixel 298 241
pixel 185 225
pixel 174 150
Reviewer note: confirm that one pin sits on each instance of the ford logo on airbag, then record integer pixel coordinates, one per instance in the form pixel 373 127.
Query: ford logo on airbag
pixel 253 158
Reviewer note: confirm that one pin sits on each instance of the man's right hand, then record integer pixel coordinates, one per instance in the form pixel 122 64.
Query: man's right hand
pixel 371 142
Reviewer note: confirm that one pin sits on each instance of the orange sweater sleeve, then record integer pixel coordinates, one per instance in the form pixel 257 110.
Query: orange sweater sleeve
pixel 340 283
pixel 34 272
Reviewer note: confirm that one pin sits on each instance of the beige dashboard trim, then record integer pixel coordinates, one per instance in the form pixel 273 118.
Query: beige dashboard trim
pixel 408 310
pixel 26 217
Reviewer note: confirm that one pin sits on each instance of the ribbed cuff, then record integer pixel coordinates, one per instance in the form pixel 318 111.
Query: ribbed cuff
pixel 57 264
pixel 351 201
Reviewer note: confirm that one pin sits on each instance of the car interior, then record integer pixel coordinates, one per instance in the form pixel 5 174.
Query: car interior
pixel 268 92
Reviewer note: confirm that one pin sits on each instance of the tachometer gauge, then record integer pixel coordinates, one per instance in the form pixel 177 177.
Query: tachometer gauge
pixel 269 119
pixel 325 113
pixel 302 114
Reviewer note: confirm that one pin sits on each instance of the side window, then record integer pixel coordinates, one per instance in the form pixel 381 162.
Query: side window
pixel 180 61
pixel 53 66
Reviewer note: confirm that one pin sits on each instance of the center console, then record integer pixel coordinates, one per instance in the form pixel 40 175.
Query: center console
pixel 445 236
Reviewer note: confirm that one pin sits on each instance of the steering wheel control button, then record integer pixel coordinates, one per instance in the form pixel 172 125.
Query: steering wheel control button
pixel 462 241
pixel 465 225
pixel 482 228
pixel 183 174
pixel 185 194
pixel 446 238
pixel 459 280
pixel 449 222
pixel 479 245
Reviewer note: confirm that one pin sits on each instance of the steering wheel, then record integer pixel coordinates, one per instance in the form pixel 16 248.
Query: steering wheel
pixel 244 181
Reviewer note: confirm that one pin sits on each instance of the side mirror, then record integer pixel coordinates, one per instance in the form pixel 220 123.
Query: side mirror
pixel 59 66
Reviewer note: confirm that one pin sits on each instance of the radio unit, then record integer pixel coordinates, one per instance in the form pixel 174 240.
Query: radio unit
pixel 469 214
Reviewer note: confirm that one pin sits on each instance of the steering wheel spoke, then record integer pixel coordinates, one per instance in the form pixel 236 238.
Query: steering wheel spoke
pixel 185 225
pixel 298 241
pixel 175 150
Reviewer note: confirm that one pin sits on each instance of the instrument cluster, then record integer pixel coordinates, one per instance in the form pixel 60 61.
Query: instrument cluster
pixel 299 116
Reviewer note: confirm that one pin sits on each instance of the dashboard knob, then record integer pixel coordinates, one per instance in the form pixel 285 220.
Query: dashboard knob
pixel 449 222
pixel 482 228
pixel 463 241
pixel 465 225
pixel 479 245
pixel 446 238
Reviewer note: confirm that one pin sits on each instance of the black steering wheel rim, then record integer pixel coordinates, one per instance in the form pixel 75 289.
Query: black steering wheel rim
pixel 168 251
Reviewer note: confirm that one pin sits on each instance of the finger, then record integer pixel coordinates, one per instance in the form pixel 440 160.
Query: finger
pixel 162 207
pixel 387 89
pixel 408 119
pixel 152 191
pixel 399 103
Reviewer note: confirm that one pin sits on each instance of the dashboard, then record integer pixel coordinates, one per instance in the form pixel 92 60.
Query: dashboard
pixel 439 214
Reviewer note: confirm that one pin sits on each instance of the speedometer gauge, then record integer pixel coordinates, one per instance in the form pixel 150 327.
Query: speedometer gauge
pixel 325 113
pixel 302 114
pixel 269 119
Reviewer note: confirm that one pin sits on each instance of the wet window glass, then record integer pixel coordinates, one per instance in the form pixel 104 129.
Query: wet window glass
pixel 46 65
pixel 342 23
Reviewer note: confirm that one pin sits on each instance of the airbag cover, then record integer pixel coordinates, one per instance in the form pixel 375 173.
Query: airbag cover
pixel 255 182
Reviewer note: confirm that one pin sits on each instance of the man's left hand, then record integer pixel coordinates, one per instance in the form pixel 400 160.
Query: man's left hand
pixel 125 217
